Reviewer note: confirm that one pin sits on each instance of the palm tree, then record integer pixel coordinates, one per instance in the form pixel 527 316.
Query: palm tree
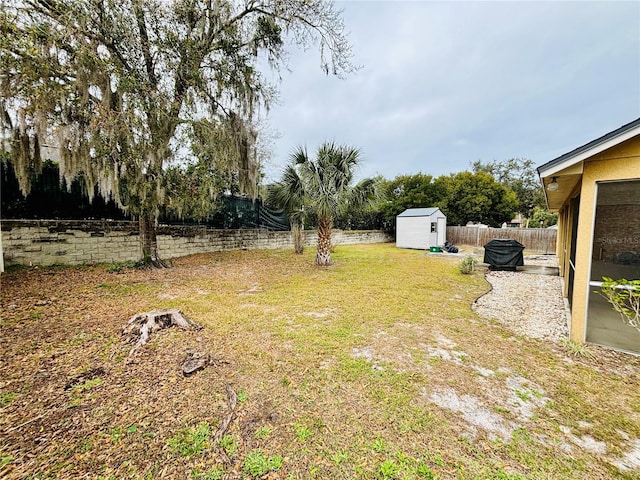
pixel 289 194
pixel 323 186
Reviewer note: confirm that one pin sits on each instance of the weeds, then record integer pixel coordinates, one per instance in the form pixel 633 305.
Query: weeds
pixel 577 349
pixel 339 457
pixel 229 445
pixel 526 394
pixel 5 460
pixel 191 441
pixel 302 432
pixel 379 446
pixel 116 434
pixel 88 385
pixel 257 464
pixel 423 471
pixel 80 338
pixel 7 398
pixel 262 433
pixel 242 396
pixel 214 473
pixel 388 470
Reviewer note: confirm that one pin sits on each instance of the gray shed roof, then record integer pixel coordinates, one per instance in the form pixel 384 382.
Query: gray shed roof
pixel 419 212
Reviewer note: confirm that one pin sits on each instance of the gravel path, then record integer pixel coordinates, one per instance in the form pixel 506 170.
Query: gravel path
pixel 529 304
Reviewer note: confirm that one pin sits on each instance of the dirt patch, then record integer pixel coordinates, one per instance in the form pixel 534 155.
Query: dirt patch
pixel 474 413
pixel 631 459
pixel 586 442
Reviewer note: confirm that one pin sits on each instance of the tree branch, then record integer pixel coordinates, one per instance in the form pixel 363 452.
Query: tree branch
pixel 144 43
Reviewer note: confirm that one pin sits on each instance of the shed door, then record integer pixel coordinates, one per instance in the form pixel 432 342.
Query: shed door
pixel 442 230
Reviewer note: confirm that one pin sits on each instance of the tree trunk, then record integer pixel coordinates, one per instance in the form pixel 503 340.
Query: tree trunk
pixel 149 242
pixel 325 227
pixel 298 240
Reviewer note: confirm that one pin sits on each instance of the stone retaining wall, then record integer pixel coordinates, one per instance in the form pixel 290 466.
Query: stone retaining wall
pixel 48 242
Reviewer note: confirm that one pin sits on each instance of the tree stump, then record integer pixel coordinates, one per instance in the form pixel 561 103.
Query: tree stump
pixel 140 327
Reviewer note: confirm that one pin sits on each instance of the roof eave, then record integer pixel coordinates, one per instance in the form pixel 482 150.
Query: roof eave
pixel 590 149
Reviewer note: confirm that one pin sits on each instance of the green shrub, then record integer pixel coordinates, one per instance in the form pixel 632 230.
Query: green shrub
pixel 467 265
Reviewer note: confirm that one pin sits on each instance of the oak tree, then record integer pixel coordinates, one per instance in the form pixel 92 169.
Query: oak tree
pixel 519 175
pixel 477 197
pixel 122 89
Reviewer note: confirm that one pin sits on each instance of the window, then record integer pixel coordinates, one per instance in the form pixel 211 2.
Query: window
pixel 434 227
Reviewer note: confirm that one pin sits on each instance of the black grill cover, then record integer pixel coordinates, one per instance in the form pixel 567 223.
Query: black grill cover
pixel 503 253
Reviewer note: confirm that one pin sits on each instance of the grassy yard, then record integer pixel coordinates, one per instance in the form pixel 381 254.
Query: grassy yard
pixel 374 368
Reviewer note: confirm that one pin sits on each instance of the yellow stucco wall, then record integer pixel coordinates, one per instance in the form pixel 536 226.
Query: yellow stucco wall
pixel 618 163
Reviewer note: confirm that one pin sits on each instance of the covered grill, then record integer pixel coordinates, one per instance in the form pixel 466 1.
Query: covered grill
pixel 503 254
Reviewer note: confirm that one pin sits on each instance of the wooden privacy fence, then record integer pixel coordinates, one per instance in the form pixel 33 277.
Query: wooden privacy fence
pixel 541 240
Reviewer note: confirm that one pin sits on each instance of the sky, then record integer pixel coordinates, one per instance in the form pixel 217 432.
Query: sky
pixel 444 84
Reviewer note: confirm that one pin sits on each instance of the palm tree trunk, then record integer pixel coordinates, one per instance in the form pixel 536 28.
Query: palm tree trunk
pixel 325 226
pixel 298 240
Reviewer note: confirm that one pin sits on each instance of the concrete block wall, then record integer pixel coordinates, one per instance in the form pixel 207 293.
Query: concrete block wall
pixel 48 242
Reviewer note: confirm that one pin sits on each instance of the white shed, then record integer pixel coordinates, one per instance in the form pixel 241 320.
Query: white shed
pixel 421 228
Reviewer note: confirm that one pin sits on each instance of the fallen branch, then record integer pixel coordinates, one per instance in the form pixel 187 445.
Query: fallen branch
pixel 140 327
pixel 232 400
pixel 28 422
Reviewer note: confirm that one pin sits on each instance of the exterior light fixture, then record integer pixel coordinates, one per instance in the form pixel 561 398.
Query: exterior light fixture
pixel 553 186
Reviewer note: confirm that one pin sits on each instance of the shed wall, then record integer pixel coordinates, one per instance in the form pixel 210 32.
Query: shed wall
pixel 415 232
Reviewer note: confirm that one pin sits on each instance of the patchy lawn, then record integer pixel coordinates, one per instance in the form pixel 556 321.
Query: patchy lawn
pixel 373 368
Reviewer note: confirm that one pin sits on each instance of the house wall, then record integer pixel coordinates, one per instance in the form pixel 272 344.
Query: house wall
pixel 48 242
pixel 415 232
pixel 618 163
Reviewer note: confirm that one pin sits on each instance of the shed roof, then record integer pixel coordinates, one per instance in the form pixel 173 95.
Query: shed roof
pixel 419 212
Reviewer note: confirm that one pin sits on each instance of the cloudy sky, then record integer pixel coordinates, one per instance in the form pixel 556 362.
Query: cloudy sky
pixel 444 84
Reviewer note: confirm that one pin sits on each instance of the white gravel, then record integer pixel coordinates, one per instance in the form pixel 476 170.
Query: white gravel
pixel 527 303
